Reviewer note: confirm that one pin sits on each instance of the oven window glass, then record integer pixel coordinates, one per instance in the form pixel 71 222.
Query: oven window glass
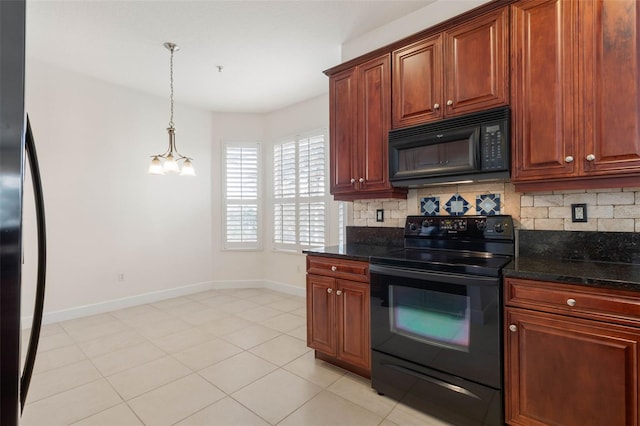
pixel 433 317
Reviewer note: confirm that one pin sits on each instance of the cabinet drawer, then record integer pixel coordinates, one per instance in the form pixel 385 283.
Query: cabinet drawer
pixel 589 302
pixel 339 268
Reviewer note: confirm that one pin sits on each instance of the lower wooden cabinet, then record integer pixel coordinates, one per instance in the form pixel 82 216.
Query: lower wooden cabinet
pixel 338 315
pixel 571 359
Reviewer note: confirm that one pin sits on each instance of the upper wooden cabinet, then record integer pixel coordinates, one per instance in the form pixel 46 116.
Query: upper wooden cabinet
pixel 455 72
pixel 359 121
pixel 575 94
pixel 543 64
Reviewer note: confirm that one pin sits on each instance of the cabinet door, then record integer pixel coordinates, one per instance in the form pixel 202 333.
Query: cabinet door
pixel 417 83
pixel 476 64
pixel 374 120
pixel 321 320
pixel 566 371
pixel 354 344
pixel 343 129
pixel 543 87
pixel 612 86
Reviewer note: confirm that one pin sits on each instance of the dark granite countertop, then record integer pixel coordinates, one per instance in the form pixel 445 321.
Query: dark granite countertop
pixel 351 251
pixel 363 242
pixel 600 259
pixel 622 276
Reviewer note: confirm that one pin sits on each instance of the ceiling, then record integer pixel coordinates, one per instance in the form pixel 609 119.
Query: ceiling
pixel 272 52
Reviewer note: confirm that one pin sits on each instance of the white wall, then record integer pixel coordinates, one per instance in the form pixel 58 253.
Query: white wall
pixel 421 19
pixel 105 214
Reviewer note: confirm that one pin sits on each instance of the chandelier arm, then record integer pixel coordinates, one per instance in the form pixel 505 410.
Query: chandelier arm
pixel 182 157
pixel 163 155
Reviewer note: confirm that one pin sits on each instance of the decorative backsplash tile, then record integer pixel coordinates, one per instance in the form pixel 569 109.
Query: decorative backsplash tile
pixel 457 206
pixel 430 206
pixel 488 204
pixel 609 210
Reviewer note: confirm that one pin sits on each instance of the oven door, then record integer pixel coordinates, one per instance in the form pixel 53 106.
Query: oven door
pixel 446 322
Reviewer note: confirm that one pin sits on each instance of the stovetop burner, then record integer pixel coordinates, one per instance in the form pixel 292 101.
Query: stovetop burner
pixel 479 245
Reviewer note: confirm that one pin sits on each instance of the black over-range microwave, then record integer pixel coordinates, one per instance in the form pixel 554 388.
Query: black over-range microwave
pixel 469 148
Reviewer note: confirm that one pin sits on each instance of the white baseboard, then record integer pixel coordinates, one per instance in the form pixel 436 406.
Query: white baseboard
pixel 285 288
pixel 141 299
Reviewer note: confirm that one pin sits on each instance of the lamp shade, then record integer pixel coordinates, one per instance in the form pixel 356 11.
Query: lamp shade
pixel 170 165
pixel 187 169
pixel 155 168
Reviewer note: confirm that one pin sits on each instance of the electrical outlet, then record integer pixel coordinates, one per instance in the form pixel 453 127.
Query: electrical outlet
pixel 121 276
pixel 578 212
pixel 380 215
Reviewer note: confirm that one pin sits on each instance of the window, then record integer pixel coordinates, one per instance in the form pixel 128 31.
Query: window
pixel 300 196
pixel 241 195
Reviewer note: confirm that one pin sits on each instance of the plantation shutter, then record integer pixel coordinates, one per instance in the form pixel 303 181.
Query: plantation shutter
pixel 299 192
pixel 241 195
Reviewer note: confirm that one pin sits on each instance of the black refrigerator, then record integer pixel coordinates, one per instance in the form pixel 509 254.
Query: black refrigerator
pixel 16 147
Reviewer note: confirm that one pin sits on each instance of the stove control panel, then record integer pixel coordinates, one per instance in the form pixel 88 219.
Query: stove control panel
pixel 451 227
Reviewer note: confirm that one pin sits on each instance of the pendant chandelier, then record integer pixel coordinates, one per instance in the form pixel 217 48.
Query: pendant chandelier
pixel 168 161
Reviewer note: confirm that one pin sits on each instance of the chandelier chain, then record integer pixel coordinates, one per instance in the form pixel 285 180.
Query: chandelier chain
pixel 171 85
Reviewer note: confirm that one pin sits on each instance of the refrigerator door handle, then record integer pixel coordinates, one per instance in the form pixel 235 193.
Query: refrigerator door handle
pixel 42 266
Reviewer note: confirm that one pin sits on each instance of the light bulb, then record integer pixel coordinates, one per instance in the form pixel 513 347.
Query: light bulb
pixel 187 169
pixel 170 165
pixel 155 168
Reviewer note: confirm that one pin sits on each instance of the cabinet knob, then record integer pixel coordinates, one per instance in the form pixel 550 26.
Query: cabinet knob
pixel 329 290
pixel 513 327
pixel 571 302
pixel 449 102
pixel 436 106
pixel 353 181
pixel 361 180
pixel 338 292
pixel 568 159
pixel 334 268
pixel 591 157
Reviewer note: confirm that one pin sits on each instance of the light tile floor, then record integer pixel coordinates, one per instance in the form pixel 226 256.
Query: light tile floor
pixel 221 357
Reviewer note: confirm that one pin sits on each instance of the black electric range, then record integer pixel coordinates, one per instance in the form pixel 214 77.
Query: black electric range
pixel 436 317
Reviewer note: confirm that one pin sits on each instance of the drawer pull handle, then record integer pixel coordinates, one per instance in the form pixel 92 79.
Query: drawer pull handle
pixel 338 293
pixel 513 327
pixel 571 302
pixel 334 268
pixel 329 290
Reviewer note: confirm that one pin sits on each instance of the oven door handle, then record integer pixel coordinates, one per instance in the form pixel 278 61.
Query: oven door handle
pixel 430 379
pixel 448 278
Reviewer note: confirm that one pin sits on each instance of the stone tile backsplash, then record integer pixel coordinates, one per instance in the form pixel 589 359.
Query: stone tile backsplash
pixel 610 210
